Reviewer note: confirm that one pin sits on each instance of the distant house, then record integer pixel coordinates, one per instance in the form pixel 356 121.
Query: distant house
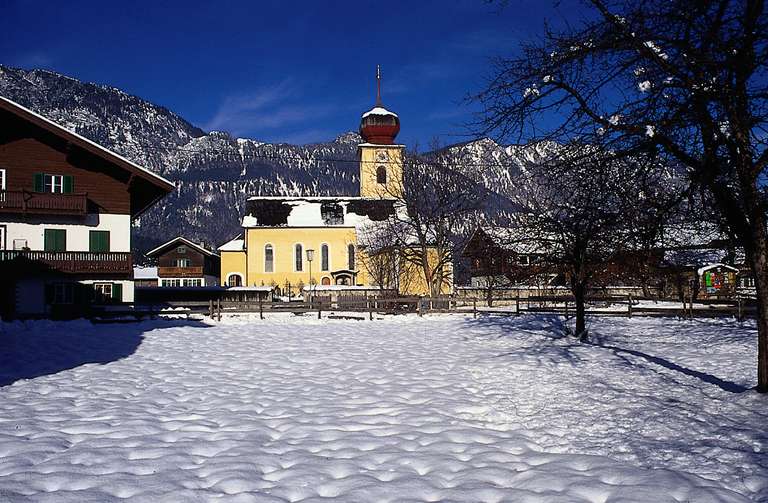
pixel 66 206
pixel 184 263
pixel 496 259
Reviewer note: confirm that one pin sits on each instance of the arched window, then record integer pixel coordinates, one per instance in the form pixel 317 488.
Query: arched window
pixel 325 281
pixel 299 258
pixel 381 175
pixel 234 280
pixel 325 259
pixel 269 258
pixel 351 257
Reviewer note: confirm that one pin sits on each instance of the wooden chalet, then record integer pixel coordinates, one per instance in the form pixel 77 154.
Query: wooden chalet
pixel 66 207
pixel 184 263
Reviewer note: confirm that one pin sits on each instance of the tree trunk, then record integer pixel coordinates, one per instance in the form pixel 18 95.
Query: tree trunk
pixel 579 294
pixel 760 268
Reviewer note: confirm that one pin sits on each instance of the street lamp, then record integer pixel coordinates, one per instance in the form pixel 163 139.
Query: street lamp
pixel 310 258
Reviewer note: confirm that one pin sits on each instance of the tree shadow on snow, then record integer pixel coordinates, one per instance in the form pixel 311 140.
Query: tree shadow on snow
pixel 728 386
pixel 39 348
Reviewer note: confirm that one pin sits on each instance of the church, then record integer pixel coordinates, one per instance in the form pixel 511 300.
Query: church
pixel 291 242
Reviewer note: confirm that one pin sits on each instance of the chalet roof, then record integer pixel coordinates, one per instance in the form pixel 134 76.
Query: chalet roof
pixel 334 211
pixel 709 267
pixel 160 185
pixel 181 240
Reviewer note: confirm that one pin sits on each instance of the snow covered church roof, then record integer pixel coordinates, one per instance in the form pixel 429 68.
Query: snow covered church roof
pixel 316 211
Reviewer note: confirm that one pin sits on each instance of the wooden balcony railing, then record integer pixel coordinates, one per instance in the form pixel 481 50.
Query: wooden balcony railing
pixel 76 262
pixel 24 201
pixel 180 272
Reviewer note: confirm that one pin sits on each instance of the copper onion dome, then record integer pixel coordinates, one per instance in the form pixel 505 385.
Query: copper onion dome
pixel 379 125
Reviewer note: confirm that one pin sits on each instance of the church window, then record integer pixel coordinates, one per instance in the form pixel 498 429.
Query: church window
pixel 299 258
pixel 351 257
pixel 269 258
pixel 381 175
pixel 324 258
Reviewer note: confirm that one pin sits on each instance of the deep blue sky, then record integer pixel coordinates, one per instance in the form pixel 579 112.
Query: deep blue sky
pixel 278 71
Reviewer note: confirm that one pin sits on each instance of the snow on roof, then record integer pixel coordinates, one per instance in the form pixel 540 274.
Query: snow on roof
pixel 144 272
pixel 237 244
pixel 706 268
pixel 187 242
pixel 265 288
pixel 317 212
pixel 378 111
pixel 304 198
pixel 81 139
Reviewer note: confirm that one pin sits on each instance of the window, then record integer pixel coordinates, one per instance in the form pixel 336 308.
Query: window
pixel 2 179
pixel 172 282
pixel 98 241
pixel 62 293
pixel 269 258
pixel 3 233
pixel 325 280
pixel 351 257
pixel 299 258
pixel 182 262
pixel 108 292
pixel 234 280
pixel 181 249
pixel 60 184
pixel 381 175
pixel 20 244
pixel 55 240
pixel 192 282
pixel 324 258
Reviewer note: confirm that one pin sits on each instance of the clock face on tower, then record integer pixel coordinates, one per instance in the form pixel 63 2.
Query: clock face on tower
pixel 382 155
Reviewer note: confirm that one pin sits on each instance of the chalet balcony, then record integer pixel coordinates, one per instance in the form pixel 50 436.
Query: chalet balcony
pixel 180 272
pixel 42 203
pixel 120 263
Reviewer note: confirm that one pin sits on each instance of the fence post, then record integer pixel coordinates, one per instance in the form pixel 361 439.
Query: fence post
pixel 370 308
pixel 690 305
pixel 421 307
pixel 319 307
pixel 210 308
pixel 261 309
pixel 566 307
pixel 517 301
pixel 474 307
pixel 629 305
pixel 741 313
pixel 218 305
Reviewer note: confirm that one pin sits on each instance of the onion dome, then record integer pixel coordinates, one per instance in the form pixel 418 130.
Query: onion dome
pixel 379 125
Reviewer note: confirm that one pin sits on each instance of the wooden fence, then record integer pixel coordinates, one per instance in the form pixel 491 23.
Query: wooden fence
pixel 559 304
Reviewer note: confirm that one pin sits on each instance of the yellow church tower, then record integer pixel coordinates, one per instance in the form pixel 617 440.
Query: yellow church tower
pixel 381 160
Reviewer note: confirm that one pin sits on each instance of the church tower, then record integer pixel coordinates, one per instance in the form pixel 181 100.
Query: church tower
pixel 381 160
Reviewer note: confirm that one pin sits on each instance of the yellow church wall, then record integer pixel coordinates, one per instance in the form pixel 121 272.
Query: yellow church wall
pixel 283 240
pixel 413 282
pixel 370 161
pixel 232 262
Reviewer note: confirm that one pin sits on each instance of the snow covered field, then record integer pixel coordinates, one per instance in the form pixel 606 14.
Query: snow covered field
pixel 440 408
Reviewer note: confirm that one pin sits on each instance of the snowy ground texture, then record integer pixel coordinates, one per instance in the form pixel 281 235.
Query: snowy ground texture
pixel 440 408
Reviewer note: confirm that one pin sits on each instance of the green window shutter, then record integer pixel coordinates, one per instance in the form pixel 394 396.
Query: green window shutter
pixel 55 240
pixel 117 292
pixel 98 241
pixel 69 184
pixel 39 182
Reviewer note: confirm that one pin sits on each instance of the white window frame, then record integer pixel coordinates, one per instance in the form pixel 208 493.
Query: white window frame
pixel 181 249
pixel 2 179
pixel 230 275
pixel 53 184
pixel 101 289
pixel 182 262
pixel 20 244
pixel 3 236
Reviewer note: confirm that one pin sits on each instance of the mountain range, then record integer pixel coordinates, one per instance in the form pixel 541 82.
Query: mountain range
pixel 215 172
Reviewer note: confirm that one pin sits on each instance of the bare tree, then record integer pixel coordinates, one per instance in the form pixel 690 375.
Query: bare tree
pixel 584 216
pixel 686 79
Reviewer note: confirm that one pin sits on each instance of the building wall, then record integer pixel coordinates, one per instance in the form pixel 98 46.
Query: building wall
pixel 31 301
pixel 370 161
pixel 32 229
pixel 232 262
pixel 283 240
pixel 413 282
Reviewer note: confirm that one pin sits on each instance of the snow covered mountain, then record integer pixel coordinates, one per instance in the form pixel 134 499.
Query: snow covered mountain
pixel 214 172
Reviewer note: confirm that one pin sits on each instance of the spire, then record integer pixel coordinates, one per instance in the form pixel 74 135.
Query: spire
pixel 378 85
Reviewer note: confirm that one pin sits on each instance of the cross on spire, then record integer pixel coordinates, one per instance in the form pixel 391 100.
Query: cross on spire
pixel 378 85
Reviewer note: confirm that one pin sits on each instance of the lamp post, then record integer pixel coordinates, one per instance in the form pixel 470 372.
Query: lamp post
pixel 310 258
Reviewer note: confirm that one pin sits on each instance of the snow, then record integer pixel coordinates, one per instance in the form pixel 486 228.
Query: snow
pixel 706 268
pixel 144 272
pixel 307 212
pixel 440 408
pixel 378 111
pixel 237 244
